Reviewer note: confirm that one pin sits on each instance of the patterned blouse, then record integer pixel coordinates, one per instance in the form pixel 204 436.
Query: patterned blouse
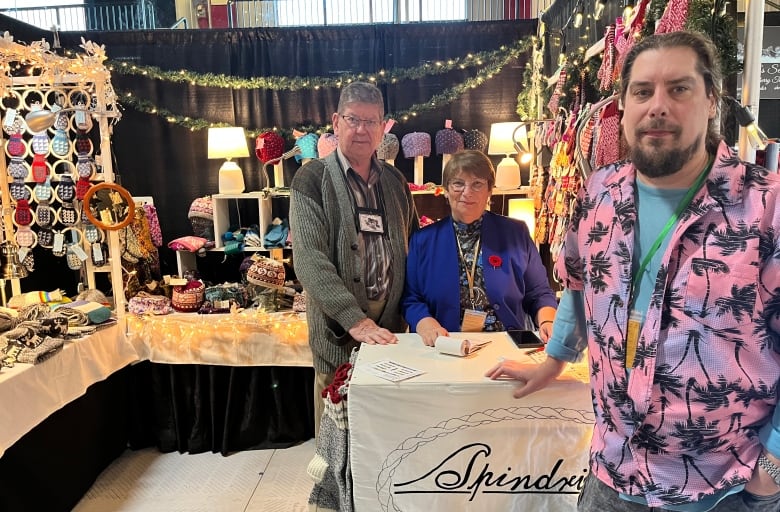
pixel 468 236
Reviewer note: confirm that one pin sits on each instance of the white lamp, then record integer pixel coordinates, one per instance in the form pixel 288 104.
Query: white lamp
pixel 229 143
pixel 502 143
pixel 523 209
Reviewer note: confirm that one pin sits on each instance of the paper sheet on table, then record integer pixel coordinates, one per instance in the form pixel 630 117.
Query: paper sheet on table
pixel 458 347
pixel 392 371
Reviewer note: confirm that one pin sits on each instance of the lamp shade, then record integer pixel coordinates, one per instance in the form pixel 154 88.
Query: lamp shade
pixel 501 141
pixel 523 209
pixel 227 143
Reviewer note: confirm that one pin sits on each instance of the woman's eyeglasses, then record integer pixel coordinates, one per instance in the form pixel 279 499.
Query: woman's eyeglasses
pixel 475 186
pixel 355 122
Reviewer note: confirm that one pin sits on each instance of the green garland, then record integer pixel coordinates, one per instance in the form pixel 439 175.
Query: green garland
pixel 297 83
pixel 445 97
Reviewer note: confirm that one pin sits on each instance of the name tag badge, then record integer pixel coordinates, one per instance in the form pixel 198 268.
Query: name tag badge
pixel 473 321
pixel 632 336
pixel 370 221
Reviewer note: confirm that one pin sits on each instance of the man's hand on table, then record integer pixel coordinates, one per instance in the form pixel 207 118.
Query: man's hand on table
pixel 367 331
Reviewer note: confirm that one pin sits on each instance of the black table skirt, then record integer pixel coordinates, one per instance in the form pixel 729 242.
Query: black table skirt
pixel 199 408
pixel 53 465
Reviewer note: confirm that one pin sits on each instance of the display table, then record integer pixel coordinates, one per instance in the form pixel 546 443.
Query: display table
pixel 30 393
pixel 242 339
pixel 222 383
pixel 63 421
pixel 451 439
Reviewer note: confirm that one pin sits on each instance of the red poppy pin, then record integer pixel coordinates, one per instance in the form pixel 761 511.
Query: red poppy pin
pixel 495 261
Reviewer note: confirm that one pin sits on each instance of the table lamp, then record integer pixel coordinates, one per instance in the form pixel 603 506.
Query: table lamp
pixel 228 143
pixel 502 143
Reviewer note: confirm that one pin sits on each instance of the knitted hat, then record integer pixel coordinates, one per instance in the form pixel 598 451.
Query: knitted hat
pixel 189 297
pixel 308 145
pixel 416 144
pixel 388 148
pixel 327 144
pixel 202 207
pixel 448 141
pixel 475 139
pixel 266 272
pixel 269 146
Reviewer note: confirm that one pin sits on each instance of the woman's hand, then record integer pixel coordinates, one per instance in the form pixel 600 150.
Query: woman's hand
pixel 531 377
pixel 429 329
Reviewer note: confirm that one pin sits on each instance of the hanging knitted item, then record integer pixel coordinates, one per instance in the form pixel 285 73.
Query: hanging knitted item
pixel 674 17
pixel 608 146
pixel 16 145
pixel 552 105
pixel 40 171
pixel 608 62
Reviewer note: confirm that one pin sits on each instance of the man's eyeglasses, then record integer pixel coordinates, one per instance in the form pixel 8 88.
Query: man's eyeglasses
pixel 355 122
pixel 475 186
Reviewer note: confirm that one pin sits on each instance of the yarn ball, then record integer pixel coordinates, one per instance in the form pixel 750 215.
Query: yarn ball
pixel 269 146
pixel 388 148
pixel 416 144
pixel 266 272
pixel 448 141
pixel 327 144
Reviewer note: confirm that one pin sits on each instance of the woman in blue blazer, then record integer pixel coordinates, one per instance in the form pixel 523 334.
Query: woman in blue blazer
pixel 474 270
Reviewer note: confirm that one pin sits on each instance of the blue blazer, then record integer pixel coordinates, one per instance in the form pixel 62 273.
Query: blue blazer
pixel 518 285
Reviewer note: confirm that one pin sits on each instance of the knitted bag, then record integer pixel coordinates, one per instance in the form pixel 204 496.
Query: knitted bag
pixel 416 144
pixel 188 298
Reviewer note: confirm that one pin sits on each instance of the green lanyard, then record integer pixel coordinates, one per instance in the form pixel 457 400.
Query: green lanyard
pixel 671 222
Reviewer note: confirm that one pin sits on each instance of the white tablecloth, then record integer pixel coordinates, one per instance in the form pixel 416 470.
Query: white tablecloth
pixel 451 439
pixel 245 339
pixel 30 393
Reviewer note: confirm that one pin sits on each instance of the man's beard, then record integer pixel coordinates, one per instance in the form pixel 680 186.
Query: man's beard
pixel 658 162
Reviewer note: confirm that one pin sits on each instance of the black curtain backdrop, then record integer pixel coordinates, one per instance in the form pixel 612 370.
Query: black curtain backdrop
pixel 168 161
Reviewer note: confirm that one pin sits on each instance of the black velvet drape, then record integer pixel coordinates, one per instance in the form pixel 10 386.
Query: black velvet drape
pixel 168 161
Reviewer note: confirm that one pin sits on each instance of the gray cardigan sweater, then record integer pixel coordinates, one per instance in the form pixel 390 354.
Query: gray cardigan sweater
pixel 327 261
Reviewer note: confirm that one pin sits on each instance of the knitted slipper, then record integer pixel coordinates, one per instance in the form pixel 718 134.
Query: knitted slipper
pixel 84 166
pixel 60 144
pixel 40 143
pixel 65 189
pixel 16 145
pixel 83 144
pixel 22 213
pixel 17 169
pixel 68 214
pixel 18 189
pixel 45 216
pixel 43 191
pixel 39 168
pixel 82 186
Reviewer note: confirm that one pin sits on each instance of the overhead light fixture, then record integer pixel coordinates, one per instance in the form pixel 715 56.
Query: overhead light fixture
pixel 628 10
pixel 598 9
pixel 228 143
pixel 745 118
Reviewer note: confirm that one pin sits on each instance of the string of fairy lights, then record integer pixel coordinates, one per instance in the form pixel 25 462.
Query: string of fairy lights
pixel 490 63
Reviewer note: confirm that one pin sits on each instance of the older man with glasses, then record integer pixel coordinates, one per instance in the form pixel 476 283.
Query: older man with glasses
pixel 351 217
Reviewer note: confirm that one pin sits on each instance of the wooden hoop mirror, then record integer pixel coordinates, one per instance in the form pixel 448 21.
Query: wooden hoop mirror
pixel 109 206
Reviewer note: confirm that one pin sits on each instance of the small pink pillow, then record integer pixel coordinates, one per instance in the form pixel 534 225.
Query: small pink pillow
pixel 187 243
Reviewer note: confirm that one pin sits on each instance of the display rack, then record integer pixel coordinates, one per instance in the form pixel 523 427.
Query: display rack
pixel 55 81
